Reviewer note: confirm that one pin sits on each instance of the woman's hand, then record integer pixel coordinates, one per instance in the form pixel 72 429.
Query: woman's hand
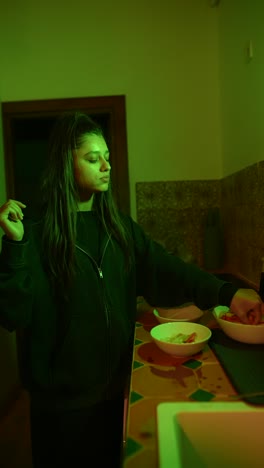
pixel 11 217
pixel 248 306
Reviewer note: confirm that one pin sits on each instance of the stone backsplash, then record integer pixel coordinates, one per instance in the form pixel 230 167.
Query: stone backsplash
pixel 175 214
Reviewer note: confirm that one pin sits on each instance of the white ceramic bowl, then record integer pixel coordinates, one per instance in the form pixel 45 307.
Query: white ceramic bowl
pixel 188 313
pixel 162 332
pixel 252 334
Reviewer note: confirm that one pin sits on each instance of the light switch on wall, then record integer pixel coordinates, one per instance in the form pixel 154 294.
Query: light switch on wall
pixel 249 50
pixel 214 3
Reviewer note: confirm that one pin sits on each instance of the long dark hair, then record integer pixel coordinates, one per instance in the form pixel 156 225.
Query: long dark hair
pixel 60 202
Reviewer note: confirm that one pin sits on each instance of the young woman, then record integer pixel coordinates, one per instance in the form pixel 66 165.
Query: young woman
pixel 70 279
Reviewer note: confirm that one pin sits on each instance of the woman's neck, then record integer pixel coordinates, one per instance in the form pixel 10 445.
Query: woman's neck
pixel 86 205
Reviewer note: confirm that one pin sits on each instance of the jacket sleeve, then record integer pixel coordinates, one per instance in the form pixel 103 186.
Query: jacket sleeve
pixel 16 291
pixel 165 280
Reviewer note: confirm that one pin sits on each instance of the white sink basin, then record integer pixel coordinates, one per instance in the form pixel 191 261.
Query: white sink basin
pixel 210 435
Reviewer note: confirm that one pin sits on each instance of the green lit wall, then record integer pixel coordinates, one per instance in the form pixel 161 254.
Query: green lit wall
pixel 241 83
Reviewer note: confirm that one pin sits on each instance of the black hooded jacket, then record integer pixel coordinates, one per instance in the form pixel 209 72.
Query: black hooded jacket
pixel 77 353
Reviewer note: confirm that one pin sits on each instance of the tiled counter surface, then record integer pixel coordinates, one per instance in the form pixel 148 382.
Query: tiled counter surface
pixel 157 377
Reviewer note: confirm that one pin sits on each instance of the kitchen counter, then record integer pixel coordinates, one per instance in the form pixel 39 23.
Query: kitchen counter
pixel 157 377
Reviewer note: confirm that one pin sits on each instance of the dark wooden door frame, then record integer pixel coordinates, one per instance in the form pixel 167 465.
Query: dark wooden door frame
pixel 113 106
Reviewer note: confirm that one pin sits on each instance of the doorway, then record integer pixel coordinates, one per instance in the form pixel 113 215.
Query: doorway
pixel 26 129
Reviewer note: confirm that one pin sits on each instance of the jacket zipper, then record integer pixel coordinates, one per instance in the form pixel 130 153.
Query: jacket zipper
pixel 107 315
pixel 99 268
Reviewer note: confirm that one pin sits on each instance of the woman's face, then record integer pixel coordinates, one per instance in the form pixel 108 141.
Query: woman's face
pixel 91 166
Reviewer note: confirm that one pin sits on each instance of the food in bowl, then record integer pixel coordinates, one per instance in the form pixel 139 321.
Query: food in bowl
pixel 235 329
pixel 164 335
pixel 230 317
pixel 182 338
